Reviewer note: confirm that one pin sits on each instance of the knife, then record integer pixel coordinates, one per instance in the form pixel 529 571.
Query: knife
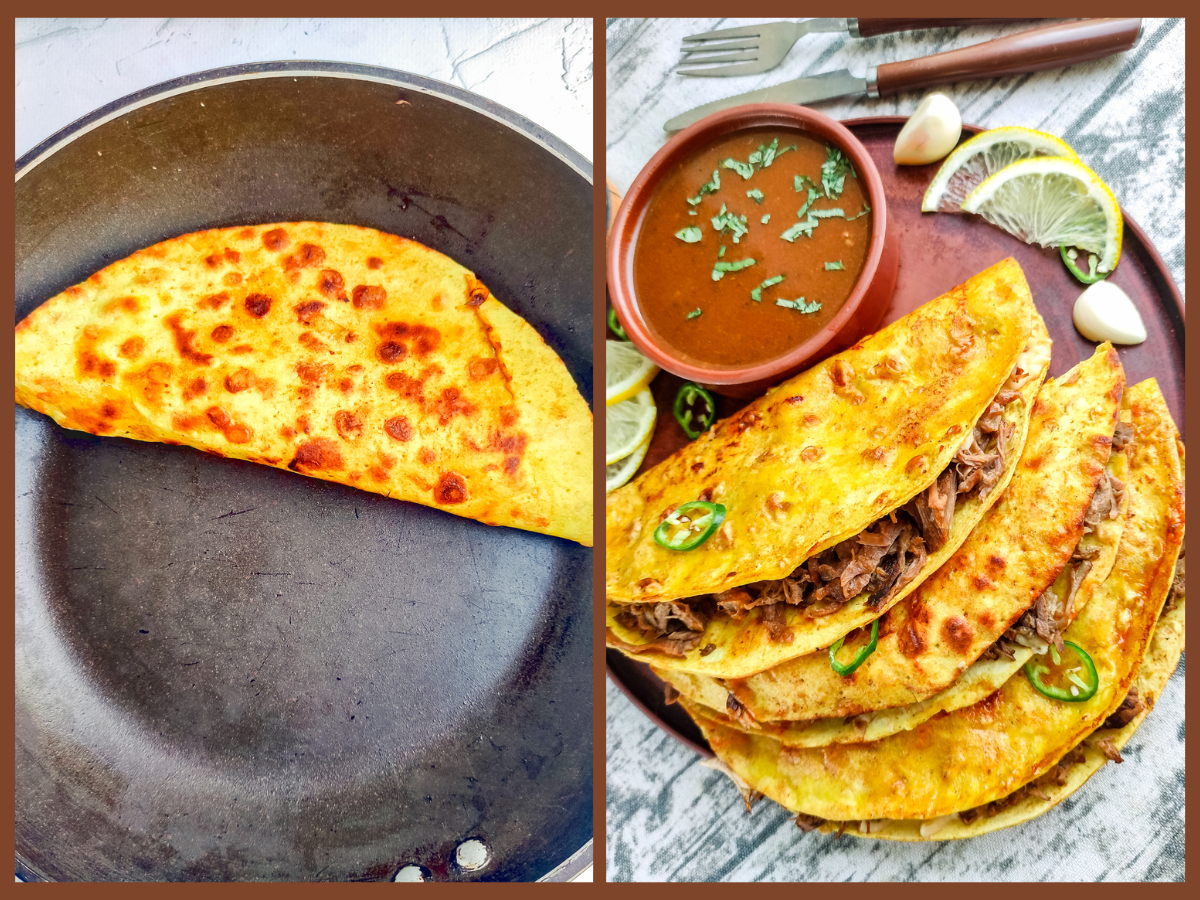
pixel 1030 51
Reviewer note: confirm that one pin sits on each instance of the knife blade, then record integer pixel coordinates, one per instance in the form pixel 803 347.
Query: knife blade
pixel 801 91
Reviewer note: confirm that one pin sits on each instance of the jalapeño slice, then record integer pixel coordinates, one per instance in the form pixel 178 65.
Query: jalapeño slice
pixel 1090 277
pixel 689 526
pixel 1064 679
pixel 614 325
pixel 859 658
pixel 694 406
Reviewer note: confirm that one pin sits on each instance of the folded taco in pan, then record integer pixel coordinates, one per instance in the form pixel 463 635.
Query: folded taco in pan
pixel 1029 566
pixel 947 772
pixel 828 500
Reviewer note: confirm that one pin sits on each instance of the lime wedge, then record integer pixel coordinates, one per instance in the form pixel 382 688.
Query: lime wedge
pixel 628 425
pixel 619 473
pixel 626 371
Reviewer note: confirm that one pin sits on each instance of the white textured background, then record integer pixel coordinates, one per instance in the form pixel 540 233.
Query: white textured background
pixel 668 818
pixel 542 69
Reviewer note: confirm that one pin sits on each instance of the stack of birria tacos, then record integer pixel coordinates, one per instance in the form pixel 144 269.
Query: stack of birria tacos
pixel 977 689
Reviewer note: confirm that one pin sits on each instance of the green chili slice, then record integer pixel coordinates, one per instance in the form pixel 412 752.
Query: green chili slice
pixel 689 526
pixel 859 658
pixel 1073 684
pixel 614 325
pixel 694 406
pixel 1089 277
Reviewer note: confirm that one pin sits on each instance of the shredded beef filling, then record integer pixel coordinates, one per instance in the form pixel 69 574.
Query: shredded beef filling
pixel 670 694
pixel 1056 776
pixel 1126 712
pixel 808 823
pixel 1109 749
pixel 1122 435
pixel 1177 587
pixel 882 559
pixel 739 713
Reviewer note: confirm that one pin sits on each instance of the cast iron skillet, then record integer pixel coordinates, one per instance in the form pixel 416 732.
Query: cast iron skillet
pixel 226 671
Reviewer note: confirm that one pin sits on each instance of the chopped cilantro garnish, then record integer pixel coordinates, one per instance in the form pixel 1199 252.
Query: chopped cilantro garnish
pixel 756 195
pixel 720 252
pixel 689 235
pixel 833 171
pixel 866 209
pixel 799 304
pixel 744 169
pixel 835 213
pixel 801 228
pixel 756 294
pixel 765 155
pixel 691 212
pixel 834 266
pixel 798 184
pixel 765 219
pixel 709 188
pixel 812 196
pixel 731 222
pixel 695 312
pixel 719 269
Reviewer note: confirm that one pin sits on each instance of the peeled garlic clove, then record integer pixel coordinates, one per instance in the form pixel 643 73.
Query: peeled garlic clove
pixel 1104 312
pixel 930 133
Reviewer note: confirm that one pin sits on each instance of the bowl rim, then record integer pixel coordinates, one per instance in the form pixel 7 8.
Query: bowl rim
pixel 621 243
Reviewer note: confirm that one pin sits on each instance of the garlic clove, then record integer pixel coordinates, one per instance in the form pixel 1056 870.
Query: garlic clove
pixel 1104 312
pixel 930 133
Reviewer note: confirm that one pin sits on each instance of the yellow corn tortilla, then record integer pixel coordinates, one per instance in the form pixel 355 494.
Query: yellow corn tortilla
pixel 335 351
pixel 981 753
pixel 1015 553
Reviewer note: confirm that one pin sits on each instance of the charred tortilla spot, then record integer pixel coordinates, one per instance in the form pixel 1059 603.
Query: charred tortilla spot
pixel 232 255
pixel 331 284
pixel 1101 441
pixel 213 260
pixel 1034 464
pixel 234 432
pixel 982 582
pixel 258 305
pixel 232 279
pixel 408 387
pixel 346 385
pixel 276 239
pixel 319 453
pixel 995 564
pixel 427 456
pixel 122 304
pixel 421 339
pixel 183 341
pixel 451 488
pixel 198 387
pixel 348 425
pixel 399 427
pixel 313 373
pixel 311 341
pixel 133 348
pixel 237 381
pixel 481 368
pixel 511 464
pixel 242 348
pixel 368 296
pixel 222 333
pixel 509 416
pixel 477 293
pixel 958 633
pixel 97 366
pixel 374 262
pixel 392 352
pixel 307 256
pixel 308 310
pixel 215 301
pixel 451 404
pixel 911 641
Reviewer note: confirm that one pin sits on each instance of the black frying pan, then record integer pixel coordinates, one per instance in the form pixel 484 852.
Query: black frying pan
pixel 226 671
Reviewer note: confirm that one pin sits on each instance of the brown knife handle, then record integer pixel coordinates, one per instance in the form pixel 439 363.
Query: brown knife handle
pixel 1030 51
pixel 872 27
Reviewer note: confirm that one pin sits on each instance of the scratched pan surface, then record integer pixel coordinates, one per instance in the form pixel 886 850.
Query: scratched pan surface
pixel 225 671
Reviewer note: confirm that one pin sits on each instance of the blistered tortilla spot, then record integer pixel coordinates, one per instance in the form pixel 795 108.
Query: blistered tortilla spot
pixel 306 257
pixel 407 387
pixel 911 638
pixel 232 279
pixel 511 464
pixel 275 240
pixel 132 348
pixel 232 255
pixel 1034 463
pixel 245 234
pixel 185 423
pixel 302 424
pixel 237 381
pixel 122 304
pixel 308 310
pixel 346 385
pixel 374 262
pixel 235 432
pixel 986 619
pixel 436 301
pixel 479 368
pixel 313 373
pixel 392 351
pixel 213 261
pixel 368 296
pixel 95 366
pixel 222 333
pixel 258 305
pixel 427 456
pixel 197 388
pixel 982 583
pixel 242 349
pixel 386 459
pixel 399 428
pixel 995 564
pixel 958 633
pixel 451 403
pixel 312 342
pixel 377 474
pixel 1119 388
pixel 317 454
pixel 183 341
pixel 287 432
pixel 348 425
pixel 810 453
pixel 451 488
pixel 74 290
pixel 331 283
pixel 215 301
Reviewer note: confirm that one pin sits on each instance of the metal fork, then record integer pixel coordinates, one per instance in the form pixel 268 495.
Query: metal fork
pixel 756 48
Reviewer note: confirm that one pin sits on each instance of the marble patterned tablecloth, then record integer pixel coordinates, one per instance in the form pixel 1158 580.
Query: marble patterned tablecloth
pixel 541 69
pixel 669 818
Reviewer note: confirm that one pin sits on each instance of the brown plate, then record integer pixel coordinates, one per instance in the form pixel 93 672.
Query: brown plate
pixel 937 252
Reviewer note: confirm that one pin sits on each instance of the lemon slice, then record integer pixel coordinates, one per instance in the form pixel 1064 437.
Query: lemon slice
pixel 628 425
pixel 983 155
pixel 1054 202
pixel 619 473
pixel 626 371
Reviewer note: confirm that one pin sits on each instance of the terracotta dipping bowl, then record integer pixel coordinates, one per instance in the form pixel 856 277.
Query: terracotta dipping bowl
pixel 858 317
